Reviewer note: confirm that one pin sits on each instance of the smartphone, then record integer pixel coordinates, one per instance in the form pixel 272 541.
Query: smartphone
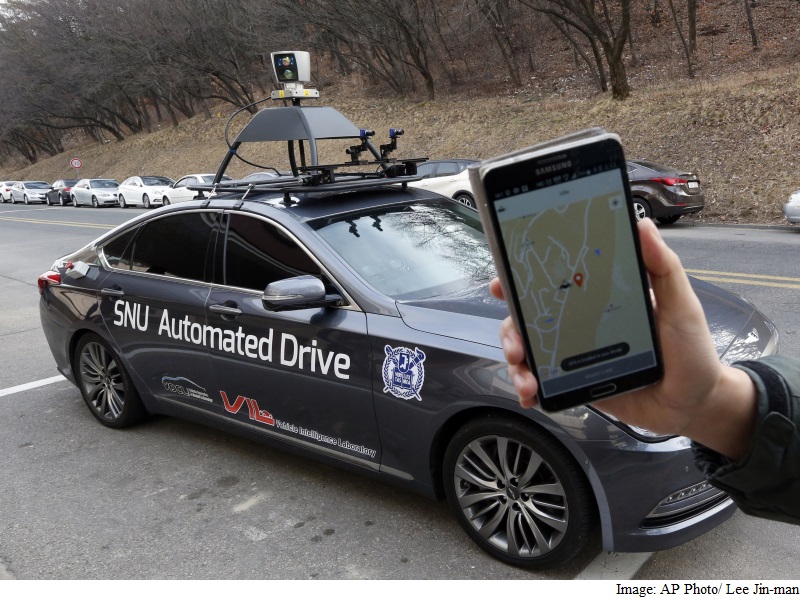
pixel 559 219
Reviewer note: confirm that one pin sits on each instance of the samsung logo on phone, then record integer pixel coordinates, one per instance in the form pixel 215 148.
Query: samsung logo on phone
pixel 554 167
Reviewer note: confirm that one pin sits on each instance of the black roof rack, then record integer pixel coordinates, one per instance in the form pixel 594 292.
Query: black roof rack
pixel 305 125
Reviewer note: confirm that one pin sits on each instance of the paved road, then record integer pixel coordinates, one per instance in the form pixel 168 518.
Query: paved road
pixel 171 499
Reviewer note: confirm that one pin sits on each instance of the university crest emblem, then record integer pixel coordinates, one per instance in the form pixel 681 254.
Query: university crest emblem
pixel 403 372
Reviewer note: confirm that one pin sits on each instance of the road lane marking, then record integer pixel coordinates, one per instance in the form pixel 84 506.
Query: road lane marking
pixel 67 223
pixel 32 385
pixel 746 278
pixel 614 566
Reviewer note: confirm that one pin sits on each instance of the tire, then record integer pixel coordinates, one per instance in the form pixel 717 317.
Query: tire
pixel 668 220
pixel 95 203
pixel 146 201
pixel 75 202
pixel 25 199
pixel 165 201
pixel 121 199
pixel 105 386
pixel 641 208
pixel 549 512
pixel 465 199
pixel 61 201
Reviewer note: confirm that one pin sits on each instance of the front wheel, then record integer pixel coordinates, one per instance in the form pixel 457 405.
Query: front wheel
pixel 465 199
pixel 641 209
pixel 146 201
pixel 668 220
pixel 95 203
pixel 165 201
pixel 121 199
pixel 105 385
pixel 518 493
pixel 25 199
pixel 74 202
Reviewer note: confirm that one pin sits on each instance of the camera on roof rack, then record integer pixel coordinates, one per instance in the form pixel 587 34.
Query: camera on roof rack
pixel 292 69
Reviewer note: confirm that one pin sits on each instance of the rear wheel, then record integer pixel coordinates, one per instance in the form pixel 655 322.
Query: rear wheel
pixel 641 208
pixel 668 220
pixel 146 201
pixel 105 385
pixel 465 199
pixel 518 493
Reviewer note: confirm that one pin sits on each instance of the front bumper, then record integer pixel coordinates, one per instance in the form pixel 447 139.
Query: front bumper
pixel 792 212
pixel 651 496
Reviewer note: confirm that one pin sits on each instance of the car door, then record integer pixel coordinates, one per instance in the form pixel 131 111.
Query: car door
pixel 79 192
pixel 153 304
pixel 302 375
pixel 180 193
pixel 129 191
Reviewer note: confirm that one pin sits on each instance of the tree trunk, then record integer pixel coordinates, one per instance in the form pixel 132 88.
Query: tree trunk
pixel 750 25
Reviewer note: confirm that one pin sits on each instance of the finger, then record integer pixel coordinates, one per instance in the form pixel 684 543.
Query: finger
pixel 525 385
pixel 496 289
pixel 670 283
pixel 513 347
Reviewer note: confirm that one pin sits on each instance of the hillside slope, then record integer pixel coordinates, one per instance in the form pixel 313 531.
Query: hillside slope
pixel 741 134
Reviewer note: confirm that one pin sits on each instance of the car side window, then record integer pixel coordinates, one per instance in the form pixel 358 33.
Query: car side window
pixel 176 245
pixel 426 169
pixel 258 253
pixel 118 251
pixel 447 168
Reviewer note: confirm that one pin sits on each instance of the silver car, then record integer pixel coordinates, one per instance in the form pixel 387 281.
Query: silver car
pixel 29 192
pixel 792 208
pixel 95 192
pixel 5 190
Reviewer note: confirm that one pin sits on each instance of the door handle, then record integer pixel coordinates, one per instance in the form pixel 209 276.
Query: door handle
pixel 112 292
pixel 228 311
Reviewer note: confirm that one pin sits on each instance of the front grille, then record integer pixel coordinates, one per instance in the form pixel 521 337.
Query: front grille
pixel 684 504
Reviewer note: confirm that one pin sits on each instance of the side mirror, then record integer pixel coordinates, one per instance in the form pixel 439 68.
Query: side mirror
pixel 295 293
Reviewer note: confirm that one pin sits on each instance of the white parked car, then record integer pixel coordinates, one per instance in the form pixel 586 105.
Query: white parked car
pixel 29 192
pixel 180 192
pixel 5 190
pixel 146 190
pixel 95 192
pixel 448 178
pixel 792 208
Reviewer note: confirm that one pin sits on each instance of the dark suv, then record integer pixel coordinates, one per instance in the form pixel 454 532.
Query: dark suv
pixel 664 193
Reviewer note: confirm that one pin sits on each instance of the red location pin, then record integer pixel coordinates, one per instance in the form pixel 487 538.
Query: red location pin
pixel 578 278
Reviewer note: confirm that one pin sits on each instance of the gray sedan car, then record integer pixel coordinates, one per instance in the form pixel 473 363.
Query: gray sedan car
pixel 359 331
pixel 29 192
pixel 95 193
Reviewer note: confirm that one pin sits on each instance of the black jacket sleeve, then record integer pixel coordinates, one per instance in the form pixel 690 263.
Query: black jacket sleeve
pixel 766 482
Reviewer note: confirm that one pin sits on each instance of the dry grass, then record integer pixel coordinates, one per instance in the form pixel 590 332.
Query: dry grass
pixel 741 133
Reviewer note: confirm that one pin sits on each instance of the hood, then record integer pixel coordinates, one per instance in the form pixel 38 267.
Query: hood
pixel 739 331
pixel 473 315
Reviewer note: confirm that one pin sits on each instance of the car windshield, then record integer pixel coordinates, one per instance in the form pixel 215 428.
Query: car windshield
pixel 157 181
pixel 413 251
pixel 104 183
pixel 37 185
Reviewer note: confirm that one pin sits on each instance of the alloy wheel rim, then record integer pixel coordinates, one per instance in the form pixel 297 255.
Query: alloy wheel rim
pixel 511 496
pixel 102 381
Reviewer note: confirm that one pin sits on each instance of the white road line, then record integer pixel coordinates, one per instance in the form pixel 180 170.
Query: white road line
pixel 31 385
pixel 614 565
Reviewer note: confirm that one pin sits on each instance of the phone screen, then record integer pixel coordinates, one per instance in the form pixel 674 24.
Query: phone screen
pixel 579 286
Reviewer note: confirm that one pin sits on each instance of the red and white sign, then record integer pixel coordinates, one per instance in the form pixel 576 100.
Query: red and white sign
pixel 75 163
